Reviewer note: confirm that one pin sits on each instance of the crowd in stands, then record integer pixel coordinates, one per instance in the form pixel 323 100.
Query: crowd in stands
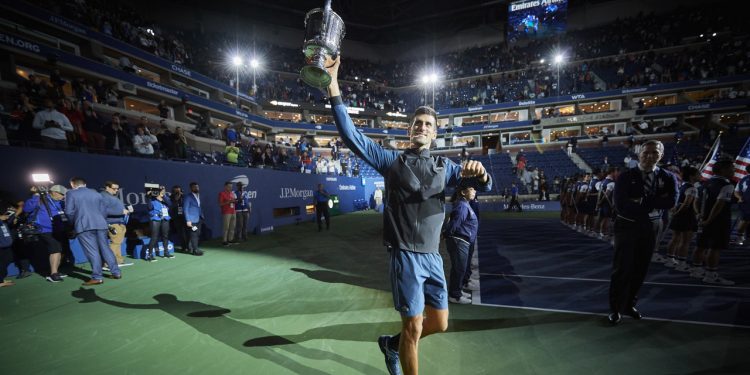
pixel 615 55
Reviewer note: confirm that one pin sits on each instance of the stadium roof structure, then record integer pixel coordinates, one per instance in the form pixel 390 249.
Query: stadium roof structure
pixel 382 21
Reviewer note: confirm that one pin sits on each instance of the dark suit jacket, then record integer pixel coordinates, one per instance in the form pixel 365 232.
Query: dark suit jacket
pixel 631 200
pixel 86 209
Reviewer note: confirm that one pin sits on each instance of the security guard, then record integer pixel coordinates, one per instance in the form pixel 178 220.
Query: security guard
pixel 641 195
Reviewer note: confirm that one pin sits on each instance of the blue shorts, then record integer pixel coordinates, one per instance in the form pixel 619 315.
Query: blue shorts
pixel 417 279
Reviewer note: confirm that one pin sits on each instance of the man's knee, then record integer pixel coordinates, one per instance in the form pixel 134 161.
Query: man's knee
pixel 412 328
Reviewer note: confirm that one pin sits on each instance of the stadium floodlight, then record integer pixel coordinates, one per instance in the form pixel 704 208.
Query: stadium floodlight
pixel 541 61
pixel 254 64
pixel 237 61
pixel 714 34
pixel 426 79
pixel 433 78
pixel 558 61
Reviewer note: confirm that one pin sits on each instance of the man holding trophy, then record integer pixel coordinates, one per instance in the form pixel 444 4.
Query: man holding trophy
pixel 415 183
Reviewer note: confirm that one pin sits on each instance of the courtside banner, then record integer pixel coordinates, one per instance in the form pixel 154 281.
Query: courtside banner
pixel 278 197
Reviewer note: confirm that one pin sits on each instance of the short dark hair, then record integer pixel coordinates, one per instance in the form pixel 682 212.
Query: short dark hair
pixel 723 165
pixel 109 183
pixel 228 183
pixel 425 110
pixel 77 181
pixel 193 184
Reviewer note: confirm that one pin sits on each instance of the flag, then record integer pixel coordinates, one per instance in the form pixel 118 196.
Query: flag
pixel 742 162
pixel 707 171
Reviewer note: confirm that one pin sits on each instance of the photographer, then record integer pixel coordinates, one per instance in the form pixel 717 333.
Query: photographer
pixel 6 247
pixel 20 252
pixel 117 219
pixel 40 209
pixel 158 210
pixel 176 211
pixel 54 126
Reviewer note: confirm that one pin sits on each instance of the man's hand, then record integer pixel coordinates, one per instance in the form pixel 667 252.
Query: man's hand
pixel 332 67
pixel 473 168
pixel 189 224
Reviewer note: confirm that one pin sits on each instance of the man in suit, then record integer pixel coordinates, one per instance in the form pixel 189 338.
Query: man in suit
pixel 641 195
pixel 87 209
pixel 191 206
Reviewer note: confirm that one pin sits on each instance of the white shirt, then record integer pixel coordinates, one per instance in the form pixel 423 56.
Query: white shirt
pixel 143 143
pixel 197 198
pixel 52 115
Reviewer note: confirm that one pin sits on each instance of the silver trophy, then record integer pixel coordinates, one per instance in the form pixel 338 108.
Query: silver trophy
pixel 324 31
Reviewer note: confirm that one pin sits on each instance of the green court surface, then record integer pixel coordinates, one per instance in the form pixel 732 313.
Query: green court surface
pixel 301 302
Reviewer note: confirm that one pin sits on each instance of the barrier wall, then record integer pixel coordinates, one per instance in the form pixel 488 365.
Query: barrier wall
pixel 278 197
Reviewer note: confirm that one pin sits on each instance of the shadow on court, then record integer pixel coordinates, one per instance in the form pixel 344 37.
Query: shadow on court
pixel 212 321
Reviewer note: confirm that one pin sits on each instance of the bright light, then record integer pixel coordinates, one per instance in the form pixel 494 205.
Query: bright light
pixel 426 78
pixel 558 58
pixel 701 35
pixel 433 78
pixel 40 177
pixel 237 61
pixel 541 61
pixel 714 34
pixel 254 63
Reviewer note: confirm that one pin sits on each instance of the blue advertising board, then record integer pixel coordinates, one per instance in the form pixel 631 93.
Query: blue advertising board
pixel 277 197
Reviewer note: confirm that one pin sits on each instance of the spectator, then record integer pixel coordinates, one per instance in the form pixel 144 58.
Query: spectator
pixel 93 128
pixel 231 153
pixel 54 126
pixel 181 143
pixel 167 141
pixel 163 109
pixel 116 140
pixel 227 201
pixel 143 142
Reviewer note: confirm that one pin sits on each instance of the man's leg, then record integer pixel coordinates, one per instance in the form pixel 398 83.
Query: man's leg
pixel 116 239
pixel 415 328
pixel 106 253
pixel 90 247
pixel 225 225
pixel 232 223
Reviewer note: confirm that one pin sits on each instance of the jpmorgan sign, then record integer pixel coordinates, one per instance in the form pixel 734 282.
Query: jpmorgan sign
pixel 287 193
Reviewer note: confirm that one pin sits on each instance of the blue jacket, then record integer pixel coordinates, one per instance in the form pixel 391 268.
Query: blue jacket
pixel 158 210
pixel 115 209
pixel 86 209
pixel 43 217
pixel 463 222
pixel 191 208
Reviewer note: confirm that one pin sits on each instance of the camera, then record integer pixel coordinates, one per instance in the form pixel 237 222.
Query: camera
pixel 112 230
pixel 194 228
pixel 152 189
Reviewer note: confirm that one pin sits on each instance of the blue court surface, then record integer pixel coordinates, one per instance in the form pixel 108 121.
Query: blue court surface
pixel 539 263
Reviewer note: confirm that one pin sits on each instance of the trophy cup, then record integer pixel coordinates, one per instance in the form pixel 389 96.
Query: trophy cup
pixel 324 30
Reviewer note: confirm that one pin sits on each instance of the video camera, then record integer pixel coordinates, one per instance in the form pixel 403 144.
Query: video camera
pixel 152 189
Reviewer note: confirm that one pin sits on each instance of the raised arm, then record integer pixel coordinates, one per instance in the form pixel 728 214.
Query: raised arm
pixel 364 147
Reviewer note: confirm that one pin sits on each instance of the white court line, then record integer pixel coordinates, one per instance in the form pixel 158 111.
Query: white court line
pixel 605 280
pixel 600 314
